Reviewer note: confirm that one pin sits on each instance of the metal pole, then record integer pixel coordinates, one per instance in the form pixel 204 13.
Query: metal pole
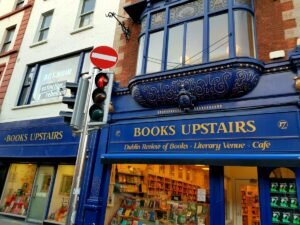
pixel 80 161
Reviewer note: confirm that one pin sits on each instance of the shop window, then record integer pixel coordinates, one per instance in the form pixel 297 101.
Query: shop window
pixel 190 33
pixel 241 196
pixel 283 196
pixel 86 13
pixel 59 203
pixel 44 27
pixel 153 196
pixel 17 190
pixel 46 82
pixel 8 39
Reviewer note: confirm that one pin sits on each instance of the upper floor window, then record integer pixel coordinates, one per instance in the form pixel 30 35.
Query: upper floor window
pixel 44 26
pixel 194 32
pixel 46 81
pixel 8 39
pixel 19 4
pixel 86 13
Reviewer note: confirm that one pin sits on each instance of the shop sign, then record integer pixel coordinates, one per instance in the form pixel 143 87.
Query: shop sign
pixel 40 135
pixel 267 133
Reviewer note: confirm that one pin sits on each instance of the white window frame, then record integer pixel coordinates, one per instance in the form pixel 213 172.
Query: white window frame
pixel 81 15
pixel 19 4
pixel 6 41
pixel 43 29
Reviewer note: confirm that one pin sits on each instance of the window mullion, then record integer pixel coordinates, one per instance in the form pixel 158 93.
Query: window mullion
pixel 231 38
pixel 184 44
pixel 165 40
pixel 146 44
pixel 205 54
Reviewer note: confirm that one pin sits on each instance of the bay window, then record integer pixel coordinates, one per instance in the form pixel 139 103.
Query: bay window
pixel 175 35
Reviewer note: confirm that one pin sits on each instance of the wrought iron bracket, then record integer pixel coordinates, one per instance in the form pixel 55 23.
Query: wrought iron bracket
pixel 125 29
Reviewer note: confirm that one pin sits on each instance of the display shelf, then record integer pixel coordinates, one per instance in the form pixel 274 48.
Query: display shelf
pixel 284 201
pixel 250 205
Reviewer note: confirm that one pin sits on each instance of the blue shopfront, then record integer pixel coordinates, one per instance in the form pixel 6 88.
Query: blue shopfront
pixel 169 157
pixel 37 163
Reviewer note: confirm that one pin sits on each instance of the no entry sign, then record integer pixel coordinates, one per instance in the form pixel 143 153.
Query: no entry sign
pixel 104 57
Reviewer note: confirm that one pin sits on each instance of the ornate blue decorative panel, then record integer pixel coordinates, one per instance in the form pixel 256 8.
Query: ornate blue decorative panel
pixel 186 11
pixel 217 5
pixel 158 19
pixel 213 83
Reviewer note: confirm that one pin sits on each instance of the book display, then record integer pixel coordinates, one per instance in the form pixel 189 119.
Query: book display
pixel 158 195
pixel 146 211
pixel 250 205
pixel 284 202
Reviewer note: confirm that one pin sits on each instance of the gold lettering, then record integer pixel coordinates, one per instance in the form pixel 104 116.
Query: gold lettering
pixel 251 124
pixel 196 127
pixel 222 128
pixel 183 130
pixel 172 130
pixel 204 128
pixel 137 132
pixel 240 127
pixel 212 127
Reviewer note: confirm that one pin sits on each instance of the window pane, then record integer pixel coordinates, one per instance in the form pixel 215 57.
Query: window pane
pixel 158 19
pixel 154 59
pixel 27 86
pixel 217 5
pixel 88 5
pixel 5 47
pixel 85 20
pixel 86 63
pixel 16 194
pixel 61 194
pixel 218 37
pixel 194 43
pixel 245 45
pixel 43 35
pixel 140 56
pixel 51 79
pixel 46 21
pixel 10 34
pixel 243 2
pixel 175 47
pixel 241 195
pixel 146 194
pixel 186 11
pixel 143 24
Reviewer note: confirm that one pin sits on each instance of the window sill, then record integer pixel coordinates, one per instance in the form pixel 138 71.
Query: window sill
pixel 38 43
pixel 81 29
pixel 57 101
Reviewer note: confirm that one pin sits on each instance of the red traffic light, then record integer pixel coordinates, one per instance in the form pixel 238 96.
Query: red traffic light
pixel 101 80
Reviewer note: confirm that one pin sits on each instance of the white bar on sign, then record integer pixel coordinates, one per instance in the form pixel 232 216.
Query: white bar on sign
pixel 104 57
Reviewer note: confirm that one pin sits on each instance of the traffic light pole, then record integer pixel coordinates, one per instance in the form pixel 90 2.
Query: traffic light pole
pixel 80 161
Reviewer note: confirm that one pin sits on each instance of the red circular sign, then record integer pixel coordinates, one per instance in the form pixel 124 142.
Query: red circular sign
pixel 104 57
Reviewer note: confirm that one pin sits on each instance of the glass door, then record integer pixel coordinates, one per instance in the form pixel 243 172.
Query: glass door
pixel 40 194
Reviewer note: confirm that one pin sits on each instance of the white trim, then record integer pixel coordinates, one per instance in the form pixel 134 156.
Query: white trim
pixel 37 104
pixel 104 57
pixel 38 43
pixel 81 29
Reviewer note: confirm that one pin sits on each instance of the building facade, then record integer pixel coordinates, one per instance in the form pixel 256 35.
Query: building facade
pixel 205 127
pixel 38 150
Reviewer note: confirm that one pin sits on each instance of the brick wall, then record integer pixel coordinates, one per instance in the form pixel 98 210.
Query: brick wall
pixel 127 50
pixel 13 54
pixel 276 26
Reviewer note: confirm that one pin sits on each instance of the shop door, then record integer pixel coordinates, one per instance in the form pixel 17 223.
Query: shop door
pixel 40 194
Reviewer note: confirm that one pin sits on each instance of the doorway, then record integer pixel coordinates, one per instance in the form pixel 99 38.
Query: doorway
pixel 242 196
pixel 40 194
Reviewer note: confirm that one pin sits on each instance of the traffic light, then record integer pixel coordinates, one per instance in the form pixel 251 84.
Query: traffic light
pixel 102 87
pixel 77 102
